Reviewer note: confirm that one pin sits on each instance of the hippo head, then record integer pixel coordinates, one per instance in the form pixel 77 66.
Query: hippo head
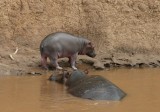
pixel 89 50
pixel 74 76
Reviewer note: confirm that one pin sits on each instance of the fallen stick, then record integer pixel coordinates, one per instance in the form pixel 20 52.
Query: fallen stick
pixel 16 50
pixel 11 55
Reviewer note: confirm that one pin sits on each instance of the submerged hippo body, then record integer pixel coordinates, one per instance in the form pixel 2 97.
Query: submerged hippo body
pixel 93 87
pixel 59 45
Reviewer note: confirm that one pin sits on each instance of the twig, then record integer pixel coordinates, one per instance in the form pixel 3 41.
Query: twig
pixel 11 55
pixel 16 50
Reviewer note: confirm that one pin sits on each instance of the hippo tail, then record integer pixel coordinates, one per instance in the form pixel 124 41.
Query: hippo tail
pixel 41 49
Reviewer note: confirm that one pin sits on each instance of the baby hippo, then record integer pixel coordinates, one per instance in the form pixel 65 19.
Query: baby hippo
pixel 59 45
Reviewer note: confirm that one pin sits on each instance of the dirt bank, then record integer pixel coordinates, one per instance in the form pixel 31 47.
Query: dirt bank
pixel 125 32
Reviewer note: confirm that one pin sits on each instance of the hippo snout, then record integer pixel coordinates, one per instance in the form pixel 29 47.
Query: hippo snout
pixel 92 55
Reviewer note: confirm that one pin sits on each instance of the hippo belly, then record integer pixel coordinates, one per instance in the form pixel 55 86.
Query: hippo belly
pixel 95 88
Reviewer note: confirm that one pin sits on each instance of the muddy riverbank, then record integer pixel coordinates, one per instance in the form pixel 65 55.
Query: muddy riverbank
pixel 27 61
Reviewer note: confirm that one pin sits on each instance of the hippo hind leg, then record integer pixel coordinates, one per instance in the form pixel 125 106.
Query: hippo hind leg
pixel 44 61
pixel 69 60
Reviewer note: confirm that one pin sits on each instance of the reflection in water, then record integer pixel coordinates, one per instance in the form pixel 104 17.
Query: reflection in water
pixel 37 94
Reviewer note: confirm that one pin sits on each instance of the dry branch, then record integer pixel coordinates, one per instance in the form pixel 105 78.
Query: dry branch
pixel 11 55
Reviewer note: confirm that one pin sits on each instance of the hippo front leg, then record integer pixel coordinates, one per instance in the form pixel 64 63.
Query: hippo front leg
pixel 73 61
pixel 54 61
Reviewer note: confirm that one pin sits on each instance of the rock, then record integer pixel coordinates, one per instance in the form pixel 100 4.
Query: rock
pixel 98 65
pixel 34 73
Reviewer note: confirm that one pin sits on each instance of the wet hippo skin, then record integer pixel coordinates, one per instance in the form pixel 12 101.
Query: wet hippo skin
pixel 92 87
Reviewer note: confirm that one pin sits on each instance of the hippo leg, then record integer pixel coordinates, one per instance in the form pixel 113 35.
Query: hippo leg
pixel 69 60
pixel 53 59
pixel 73 61
pixel 44 62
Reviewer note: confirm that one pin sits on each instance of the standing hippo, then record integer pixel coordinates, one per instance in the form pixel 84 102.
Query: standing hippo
pixel 93 87
pixel 59 45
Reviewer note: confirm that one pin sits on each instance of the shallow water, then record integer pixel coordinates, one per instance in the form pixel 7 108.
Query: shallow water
pixel 37 94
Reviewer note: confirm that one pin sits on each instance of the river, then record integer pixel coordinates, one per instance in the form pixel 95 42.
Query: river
pixel 38 94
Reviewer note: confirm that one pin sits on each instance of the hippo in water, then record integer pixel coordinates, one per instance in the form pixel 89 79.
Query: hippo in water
pixel 59 45
pixel 92 87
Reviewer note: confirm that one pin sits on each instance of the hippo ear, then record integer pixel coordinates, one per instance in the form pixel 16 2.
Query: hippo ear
pixel 86 71
pixel 67 75
pixel 64 71
pixel 89 44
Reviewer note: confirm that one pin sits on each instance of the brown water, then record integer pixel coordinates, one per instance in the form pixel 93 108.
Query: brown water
pixel 37 94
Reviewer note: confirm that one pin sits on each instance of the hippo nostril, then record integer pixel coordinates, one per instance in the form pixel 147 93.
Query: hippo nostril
pixel 94 56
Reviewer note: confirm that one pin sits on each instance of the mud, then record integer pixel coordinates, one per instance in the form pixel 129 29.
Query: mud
pixel 27 61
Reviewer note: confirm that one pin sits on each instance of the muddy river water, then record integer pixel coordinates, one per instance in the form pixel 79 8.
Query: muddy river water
pixel 37 94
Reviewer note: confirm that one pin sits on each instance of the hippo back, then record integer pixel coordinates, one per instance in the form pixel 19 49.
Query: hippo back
pixel 61 41
pixel 96 88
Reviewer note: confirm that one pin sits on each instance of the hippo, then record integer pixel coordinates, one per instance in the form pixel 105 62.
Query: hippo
pixel 92 87
pixel 60 45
